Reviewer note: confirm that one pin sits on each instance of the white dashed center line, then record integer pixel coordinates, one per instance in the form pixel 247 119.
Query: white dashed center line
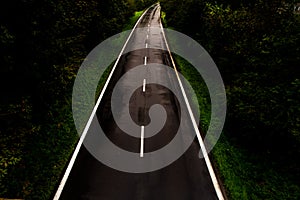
pixel 145 60
pixel 146 45
pixel 144 85
pixel 142 142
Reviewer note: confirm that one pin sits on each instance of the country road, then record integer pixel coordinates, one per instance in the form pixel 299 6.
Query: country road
pixel 187 178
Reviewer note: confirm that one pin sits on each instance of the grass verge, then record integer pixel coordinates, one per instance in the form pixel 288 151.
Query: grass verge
pixel 128 26
pixel 133 20
pixel 244 175
pixel 33 155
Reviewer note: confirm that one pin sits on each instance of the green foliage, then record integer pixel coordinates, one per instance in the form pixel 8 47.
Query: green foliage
pixel 245 177
pixel 39 154
pixel 200 89
pixel 163 18
pixel 142 4
pixel 42 45
pixel 103 80
pixel 13 141
pixel 254 37
pixel 272 107
pixel 255 45
pixel 244 174
pixel 133 20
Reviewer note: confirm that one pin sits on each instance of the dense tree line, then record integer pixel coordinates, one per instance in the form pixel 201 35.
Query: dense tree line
pixel 38 36
pixel 255 45
pixel 42 45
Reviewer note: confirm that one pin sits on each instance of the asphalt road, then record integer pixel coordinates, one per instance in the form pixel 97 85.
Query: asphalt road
pixel 187 178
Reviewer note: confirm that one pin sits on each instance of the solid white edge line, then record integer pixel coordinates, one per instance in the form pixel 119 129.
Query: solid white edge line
pixel 145 60
pixel 144 85
pixel 199 137
pixel 83 135
pixel 142 141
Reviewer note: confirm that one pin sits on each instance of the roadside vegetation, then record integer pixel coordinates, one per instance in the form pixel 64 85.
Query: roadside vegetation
pixel 42 45
pixel 255 45
pixel 245 174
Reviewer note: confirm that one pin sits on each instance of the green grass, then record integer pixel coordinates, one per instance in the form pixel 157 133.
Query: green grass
pixel 103 80
pixel 244 175
pixel 33 156
pixel 200 89
pixel 250 177
pixel 133 20
pixel 163 18
pixel 128 26
pixel 50 152
pixel 43 151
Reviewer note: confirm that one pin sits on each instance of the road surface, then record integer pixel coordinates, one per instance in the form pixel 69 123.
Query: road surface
pixel 187 178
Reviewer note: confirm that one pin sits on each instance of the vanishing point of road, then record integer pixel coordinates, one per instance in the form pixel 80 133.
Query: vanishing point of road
pixel 187 178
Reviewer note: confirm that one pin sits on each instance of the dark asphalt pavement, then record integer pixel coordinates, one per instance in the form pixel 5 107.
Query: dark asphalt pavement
pixel 185 179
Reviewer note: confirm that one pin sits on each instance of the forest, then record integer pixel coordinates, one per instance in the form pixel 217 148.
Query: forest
pixel 255 45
